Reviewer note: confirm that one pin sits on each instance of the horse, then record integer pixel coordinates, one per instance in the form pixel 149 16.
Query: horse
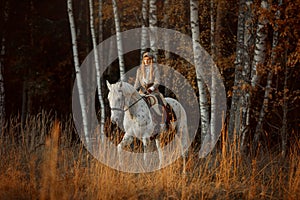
pixel 130 111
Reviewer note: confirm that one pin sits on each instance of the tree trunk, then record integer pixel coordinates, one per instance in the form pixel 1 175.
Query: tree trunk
pixel 234 120
pixel 144 37
pixel 263 110
pixel 203 104
pixel 119 41
pixel 212 30
pixel 153 26
pixel 2 55
pixel 213 112
pixel 245 86
pixel 77 71
pixel 283 130
pixel 97 65
pixel 2 91
pixel 100 26
pixel 260 45
pixel 165 25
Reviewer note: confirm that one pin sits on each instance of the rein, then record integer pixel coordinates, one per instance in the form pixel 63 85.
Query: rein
pixel 133 103
pixel 124 110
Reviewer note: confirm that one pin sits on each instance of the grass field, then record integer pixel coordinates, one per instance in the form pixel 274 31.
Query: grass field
pixel 41 159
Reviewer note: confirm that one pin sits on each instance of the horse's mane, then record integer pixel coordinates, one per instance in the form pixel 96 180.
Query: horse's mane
pixel 127 87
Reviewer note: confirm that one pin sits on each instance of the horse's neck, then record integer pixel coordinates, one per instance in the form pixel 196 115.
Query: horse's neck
pixel 139 107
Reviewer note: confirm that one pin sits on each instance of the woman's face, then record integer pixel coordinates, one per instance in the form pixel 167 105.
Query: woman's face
pixel 147 60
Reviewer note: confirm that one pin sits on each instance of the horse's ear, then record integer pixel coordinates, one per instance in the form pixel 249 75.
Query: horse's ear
pixel 108 85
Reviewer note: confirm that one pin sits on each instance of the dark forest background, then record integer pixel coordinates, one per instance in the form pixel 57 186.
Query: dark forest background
pixel 38 69
pixel 38 65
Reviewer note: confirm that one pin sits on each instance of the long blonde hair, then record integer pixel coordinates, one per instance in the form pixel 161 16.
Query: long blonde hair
pixel 151 70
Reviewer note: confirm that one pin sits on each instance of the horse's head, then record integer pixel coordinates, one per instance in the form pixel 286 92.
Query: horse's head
pixel 116 100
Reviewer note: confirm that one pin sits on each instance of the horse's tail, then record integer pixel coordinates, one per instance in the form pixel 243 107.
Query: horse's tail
pixel 181 126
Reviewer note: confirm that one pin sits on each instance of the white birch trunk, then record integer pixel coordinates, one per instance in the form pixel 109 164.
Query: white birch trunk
pixel 152 27
pixel 97 65
pixel 245 92
pixel 234 119
pixel 258 59
pixel 166 22
pixel 264 107
pixel 203 104
pixel 119 40
pixel 144 36
pixel 77 71
pixel 213 112
pixel 260 46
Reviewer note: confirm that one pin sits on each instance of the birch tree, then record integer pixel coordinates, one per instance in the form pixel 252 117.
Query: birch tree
pixel 203 104
pixel 213 112
pixel 260 45
pixel 153 26
pixel 119 40
pixel 272 64
pixel 234 120
pixel 77 71
pixel 246 71
pixel 144 35
pixel 283 130
pixel 258 61
pixel 2 54
pixel 97 65
pixel 165 25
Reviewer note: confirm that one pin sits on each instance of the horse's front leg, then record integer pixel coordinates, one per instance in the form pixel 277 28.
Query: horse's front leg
pixel 126 141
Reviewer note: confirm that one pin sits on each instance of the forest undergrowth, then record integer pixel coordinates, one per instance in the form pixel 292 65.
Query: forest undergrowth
pixel 41 158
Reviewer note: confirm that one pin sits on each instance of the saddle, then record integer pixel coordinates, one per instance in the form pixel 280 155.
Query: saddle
pixel 163 112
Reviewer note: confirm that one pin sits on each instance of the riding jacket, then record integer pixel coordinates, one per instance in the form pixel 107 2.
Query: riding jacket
pixel 144 83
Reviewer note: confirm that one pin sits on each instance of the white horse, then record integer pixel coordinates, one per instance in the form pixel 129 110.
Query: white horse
pixel 128 109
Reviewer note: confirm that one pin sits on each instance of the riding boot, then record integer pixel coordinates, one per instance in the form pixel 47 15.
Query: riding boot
pixel 166 118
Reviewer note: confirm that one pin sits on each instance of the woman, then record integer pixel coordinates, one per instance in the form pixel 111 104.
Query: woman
pixel 147 76
pixel 147 82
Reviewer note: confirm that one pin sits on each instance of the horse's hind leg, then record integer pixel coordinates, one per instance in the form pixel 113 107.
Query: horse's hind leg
pixel 157 141
pixel 182 141
pixel 146 150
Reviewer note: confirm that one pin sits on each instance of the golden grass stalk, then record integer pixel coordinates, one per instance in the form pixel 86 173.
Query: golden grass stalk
pixel 55 165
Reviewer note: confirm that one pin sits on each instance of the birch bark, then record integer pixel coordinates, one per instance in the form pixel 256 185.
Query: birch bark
pixel 152 27
pixel 246 71
pixel 119 40
pixel 144 36
pixel 77 71
pixel 234 120
pixel 165 25
pixel 97 65
pixel 260 45
pixel 264 107
pixel 203 104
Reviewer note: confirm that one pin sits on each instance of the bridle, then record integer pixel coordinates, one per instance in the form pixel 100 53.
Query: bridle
pixel 121 109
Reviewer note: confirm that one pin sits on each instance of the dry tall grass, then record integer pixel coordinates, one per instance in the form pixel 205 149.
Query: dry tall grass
pixel 40 160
